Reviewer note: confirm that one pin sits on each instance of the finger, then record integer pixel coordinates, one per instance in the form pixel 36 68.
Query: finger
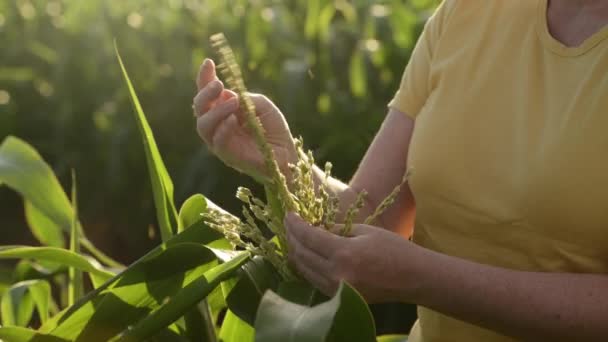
pixel 206 73
pixel 300 255
pixel 318 240
pixel 314 268
pixel 206 96
pixel 206 124
pixel 356 230
pixel 224 131
pixel 320 282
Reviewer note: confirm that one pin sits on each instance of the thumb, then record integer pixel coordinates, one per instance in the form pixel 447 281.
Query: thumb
pixel 356 229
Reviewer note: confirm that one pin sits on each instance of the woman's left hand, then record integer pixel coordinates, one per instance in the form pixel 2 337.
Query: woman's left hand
pixel 381 265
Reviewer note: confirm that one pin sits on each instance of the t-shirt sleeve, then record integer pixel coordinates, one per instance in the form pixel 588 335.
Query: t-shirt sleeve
pixel 415 85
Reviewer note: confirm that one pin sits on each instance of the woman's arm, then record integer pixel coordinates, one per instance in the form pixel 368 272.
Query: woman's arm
pixel 380 171
pixel 384 267
pixel 528 305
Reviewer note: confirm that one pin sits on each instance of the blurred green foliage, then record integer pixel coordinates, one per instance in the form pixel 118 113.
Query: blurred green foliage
pixel 331 66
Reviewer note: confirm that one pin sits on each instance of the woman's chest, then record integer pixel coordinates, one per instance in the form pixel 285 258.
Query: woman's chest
pixel 517 147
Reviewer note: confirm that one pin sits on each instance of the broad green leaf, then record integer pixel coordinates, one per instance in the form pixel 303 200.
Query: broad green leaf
pixel 184 299
pixel 19 301
pixel 190 212
pixel 196 234
pixel 23 170
pixel 200 319
pixel 392 338
pixel 40 291
pixel 162 186
pixel 300 292
pixel 345 317
pixel 134 294
pixel 19 334
pixel 43 228
pixel 235 329
pixel 57 255
pixel 75 287
pixel 17 306
pixel 257 276
pixel 200 324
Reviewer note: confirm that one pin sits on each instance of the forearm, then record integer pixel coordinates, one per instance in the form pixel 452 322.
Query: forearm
pixel 526 305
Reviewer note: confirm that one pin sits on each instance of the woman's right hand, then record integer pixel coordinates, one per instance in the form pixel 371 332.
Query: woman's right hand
pixel 222 126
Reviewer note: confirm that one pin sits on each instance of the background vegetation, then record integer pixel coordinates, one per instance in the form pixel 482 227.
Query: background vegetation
pixel 331 66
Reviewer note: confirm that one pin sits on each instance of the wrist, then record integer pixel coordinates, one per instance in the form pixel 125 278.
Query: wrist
pixel 419 277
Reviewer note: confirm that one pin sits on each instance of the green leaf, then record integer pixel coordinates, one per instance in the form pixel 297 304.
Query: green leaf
pixel 19 300
pixel 82 312
pixel 162 186
pixel 23 170
pixel 345 317
pixel 200 319
pixel 40 290
pixel 184 299
pixel 19 334
pixel 302 293
pixel 57 255
pixel 199 323
pixel 43 228
pixel 75 287
pixel 235 329
pixel 392 338
pixel 257 277
pixel 190 212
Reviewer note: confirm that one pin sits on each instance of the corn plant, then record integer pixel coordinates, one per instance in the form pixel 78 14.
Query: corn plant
pixel 214 277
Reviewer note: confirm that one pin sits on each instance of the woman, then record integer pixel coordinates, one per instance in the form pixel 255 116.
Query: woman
pixel 502 114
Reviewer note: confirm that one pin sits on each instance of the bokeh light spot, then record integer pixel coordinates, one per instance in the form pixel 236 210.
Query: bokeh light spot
pixel 5 97
pixel 135 20
pixel 53 9
pixel 27 10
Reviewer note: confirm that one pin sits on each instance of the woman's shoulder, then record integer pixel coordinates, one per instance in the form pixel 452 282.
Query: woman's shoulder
pixel 485 14
pixel 489 7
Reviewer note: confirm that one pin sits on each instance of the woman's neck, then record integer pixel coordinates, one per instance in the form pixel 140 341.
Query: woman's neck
pixel 573 21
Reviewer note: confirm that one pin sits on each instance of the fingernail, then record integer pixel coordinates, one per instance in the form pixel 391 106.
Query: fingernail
pixel 206 62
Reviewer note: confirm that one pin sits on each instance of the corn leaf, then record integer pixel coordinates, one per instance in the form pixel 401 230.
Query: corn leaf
pixel 19 301
pixel 184 299
pixel 235 329
pixel 392 338
pixel 190 212
pixel 75 288
pixel 162 186
pixel 199 320
pixel 345 317
pixel 43 228
pixel 56 255
pixel 257 276
pixel 19 334
pixel 23 170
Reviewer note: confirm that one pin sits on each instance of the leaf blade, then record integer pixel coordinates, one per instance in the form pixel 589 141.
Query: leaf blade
pixel 162 186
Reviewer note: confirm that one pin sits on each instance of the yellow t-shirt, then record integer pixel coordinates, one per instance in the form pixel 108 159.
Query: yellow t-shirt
pixel 510 146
